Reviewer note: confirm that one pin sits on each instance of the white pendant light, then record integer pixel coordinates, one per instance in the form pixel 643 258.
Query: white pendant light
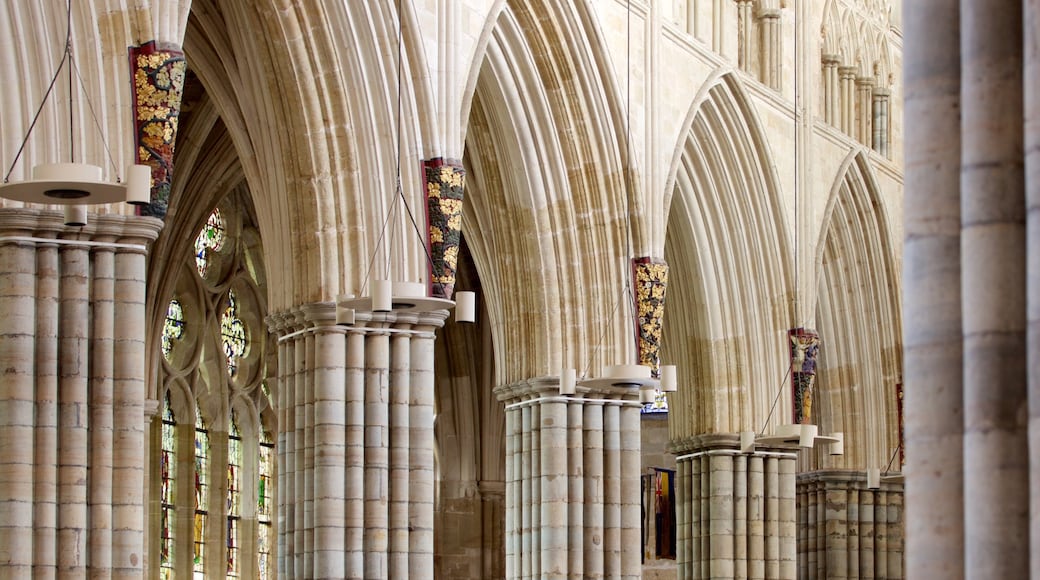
pixel 382 296
pixel 647 395
pixel 568 380
pixel 873 478
pixel 466 307
pixel 669 378
pixel 344 314
pixel 747 441
pixel 838 447
pixel 75 215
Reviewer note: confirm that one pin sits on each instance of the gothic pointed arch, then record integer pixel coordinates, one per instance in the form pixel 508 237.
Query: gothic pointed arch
pixel 858 319
pixel 545 190
pixel 727 246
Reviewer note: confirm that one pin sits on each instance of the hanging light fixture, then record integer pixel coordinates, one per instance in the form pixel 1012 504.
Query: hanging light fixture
pixel 73 183
pixel 394 295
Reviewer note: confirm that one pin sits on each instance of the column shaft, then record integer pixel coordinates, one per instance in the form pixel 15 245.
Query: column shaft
pixel 1032 165
pixel 400 442
pixel 354 491
pixel 45 471
pixel 101 412
pixel 377 456
pixel 932 336
pixel 73 402
pixel 330 454
pixel 996 539
pixel 18 265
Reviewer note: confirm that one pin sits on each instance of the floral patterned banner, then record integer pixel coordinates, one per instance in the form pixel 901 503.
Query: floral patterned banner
pixel 804 348
pixel 157 71
pixel 445 186
pixel 651 278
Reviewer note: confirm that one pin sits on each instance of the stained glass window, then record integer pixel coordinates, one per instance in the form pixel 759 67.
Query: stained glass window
pixel 168 472
pixel 264 506
pixel 173 328
pixel 201 492
pixel 234 496
pixel 232 334
pixel 210 239
pixel 659 404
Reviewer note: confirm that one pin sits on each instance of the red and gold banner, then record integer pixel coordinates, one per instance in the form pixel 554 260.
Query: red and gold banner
pixel 445 186
pixel 157 73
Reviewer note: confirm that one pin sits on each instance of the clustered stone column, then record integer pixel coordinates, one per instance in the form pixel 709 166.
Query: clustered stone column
pixel 745 33
pixel 735 511
pixel 846 530
pixel 72 439
pixel 847 77
pixel 770 50
pixel 864 109
pixel 572 481
pixel 356 458
pixel 880 143
pixel 831 90
pixel 968 468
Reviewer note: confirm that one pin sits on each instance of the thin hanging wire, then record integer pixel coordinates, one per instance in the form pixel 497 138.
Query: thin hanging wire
pixel 398 189
pixel 66 60
pixel 627 295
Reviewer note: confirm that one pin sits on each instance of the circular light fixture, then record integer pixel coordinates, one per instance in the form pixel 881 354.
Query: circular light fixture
pixel 397 296
pixel 79 183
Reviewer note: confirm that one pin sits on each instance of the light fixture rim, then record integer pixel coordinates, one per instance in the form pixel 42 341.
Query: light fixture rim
pixel 35 190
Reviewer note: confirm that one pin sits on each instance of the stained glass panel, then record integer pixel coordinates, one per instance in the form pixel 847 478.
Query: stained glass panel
pixel 232 334
pixel 173 327
pixel 201 492
pixel 211 238
pixel 234 496
pixel 168 470
pixel 265 504
pixel 659 404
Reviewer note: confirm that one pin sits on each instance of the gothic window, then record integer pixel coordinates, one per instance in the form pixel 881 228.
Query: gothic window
pixel 168 473
pixel 210 239
pixel 173 328
pixel 216 506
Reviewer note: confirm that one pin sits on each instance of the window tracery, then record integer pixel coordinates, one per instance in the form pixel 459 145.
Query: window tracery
pixel 227 464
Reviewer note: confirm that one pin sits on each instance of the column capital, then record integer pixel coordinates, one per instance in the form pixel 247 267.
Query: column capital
pixel 50 224
pixel 549 387
pixel 831 59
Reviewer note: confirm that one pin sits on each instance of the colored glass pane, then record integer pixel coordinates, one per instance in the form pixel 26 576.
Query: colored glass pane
pixel 265 501
pixel 210 239
pixel 173 327
pixel 201 491
pixel 232 334
pixel 659 404
pixel 234 496
pixel 168 470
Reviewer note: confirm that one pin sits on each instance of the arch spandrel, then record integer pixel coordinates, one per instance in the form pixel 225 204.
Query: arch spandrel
pixel 730 297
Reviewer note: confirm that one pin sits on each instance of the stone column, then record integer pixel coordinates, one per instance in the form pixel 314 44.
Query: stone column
pixel 358 499
pixel 745 34
pixel 572 483
pixel 770 51
pixel 1032 145
pixel 932 370
pixel 847 74
pixel 864 109
pixel 831 90
pixel 847 530
pixel 996 539
pixel 73 453
pixel 880 122
pixel 738 510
